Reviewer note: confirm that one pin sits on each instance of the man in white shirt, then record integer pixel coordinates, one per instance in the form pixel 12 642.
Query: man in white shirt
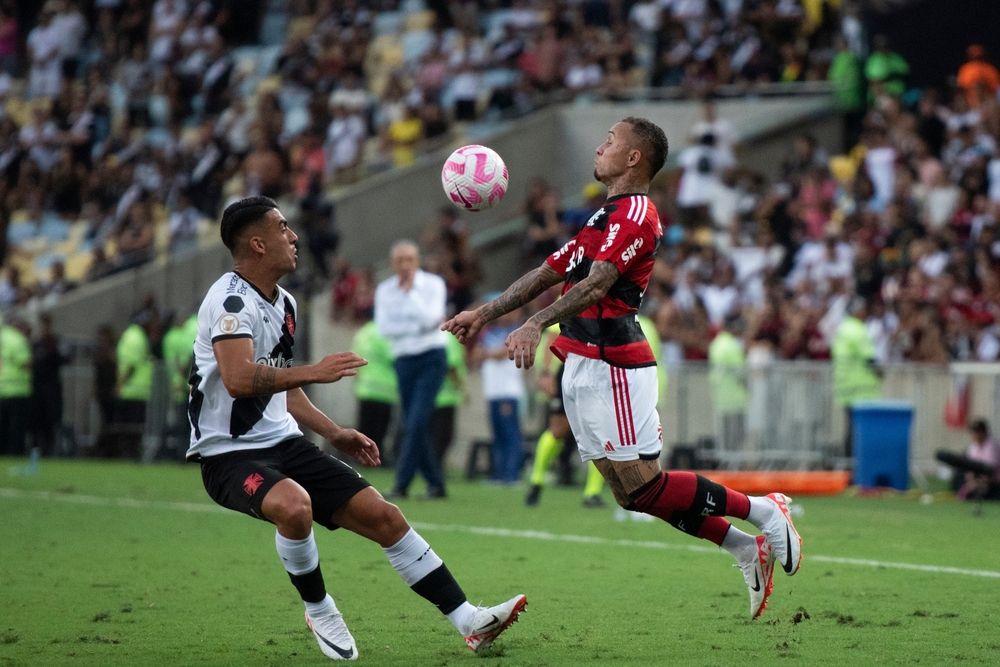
pixel 409 310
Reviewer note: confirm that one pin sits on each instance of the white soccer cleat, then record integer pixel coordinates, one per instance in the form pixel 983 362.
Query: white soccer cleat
pixel 757 565
pixel 782 535
pixel 489 622
pixel 334 638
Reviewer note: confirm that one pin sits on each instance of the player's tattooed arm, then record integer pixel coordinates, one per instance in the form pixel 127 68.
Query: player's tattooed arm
pixel 523 291
pixel 580 297
pixel 466 325
pixel 263 380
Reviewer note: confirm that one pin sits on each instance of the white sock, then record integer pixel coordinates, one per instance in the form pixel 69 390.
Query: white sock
pixel 326 606
pixel 761 510
pixel 736 541
pixel 462 618
pixel 298 556
pixel 412 557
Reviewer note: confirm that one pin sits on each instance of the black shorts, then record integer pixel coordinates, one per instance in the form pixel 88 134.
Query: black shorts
pixel 556 402
pixel 239 480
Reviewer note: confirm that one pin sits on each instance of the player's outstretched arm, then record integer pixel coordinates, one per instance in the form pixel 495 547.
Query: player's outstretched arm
pixel 243 377
pixel 522 342
pixel 346 440
pixel 466 325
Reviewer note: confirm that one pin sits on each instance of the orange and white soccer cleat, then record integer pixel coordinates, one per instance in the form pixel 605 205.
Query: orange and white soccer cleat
pixel 782 535
pixel 489 622
pixel 757 565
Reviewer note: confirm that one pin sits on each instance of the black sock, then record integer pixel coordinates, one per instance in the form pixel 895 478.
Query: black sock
pixel 310 585
pixel 441 589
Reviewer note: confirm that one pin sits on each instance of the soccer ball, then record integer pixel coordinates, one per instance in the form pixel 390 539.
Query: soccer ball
pixel 474 178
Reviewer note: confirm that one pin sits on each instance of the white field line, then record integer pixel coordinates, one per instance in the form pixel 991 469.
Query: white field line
pixel 18 494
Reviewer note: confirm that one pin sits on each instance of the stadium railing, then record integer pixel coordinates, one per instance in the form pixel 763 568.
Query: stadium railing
pixel 788 419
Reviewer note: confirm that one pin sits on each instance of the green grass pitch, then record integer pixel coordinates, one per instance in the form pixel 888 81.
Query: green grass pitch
pixel 118 564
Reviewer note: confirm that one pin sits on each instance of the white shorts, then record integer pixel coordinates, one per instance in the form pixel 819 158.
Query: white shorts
pixel 612 410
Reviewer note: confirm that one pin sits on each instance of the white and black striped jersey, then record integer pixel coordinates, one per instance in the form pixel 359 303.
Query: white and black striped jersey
pixel 235 308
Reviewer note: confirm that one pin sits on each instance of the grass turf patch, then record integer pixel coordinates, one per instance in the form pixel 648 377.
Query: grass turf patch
pixel 163 578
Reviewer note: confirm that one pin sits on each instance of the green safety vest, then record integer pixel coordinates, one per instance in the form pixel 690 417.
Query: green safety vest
pixel 845 74
pixel 15 364
pixel 377 380
pixel 852 349
pixel 889 68
pixel 453 388
pixel 726 363
pixel 133 355
pixel 178 348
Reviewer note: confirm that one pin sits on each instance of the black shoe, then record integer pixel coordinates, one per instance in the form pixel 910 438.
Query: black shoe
pixel 394 494
pixel 434 493
pixel 534 493
pixel 592 502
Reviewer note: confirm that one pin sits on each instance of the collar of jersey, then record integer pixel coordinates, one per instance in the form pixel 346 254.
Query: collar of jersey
pixel 627 194
pixel 270 299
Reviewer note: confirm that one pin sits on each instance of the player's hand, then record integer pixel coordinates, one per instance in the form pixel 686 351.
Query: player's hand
pixel 356 444
pixel 522 343
pixel 465 326
pixel 332 367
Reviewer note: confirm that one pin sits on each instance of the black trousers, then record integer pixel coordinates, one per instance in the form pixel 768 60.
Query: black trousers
pixel 14 425
pixel 373 421
pixel 442 431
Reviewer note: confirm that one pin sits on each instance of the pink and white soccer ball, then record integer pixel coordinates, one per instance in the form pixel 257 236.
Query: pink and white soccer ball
pixel 474 178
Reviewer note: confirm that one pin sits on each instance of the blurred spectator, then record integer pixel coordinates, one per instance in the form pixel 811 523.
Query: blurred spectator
pixel 975 72
pixel 105 381
pixel 982 449
pixel 134 386
pixel 885 70
pixel 450 396
pixel 178 351
pixel 375 386
pixel 544 230
pixel 15 387
pixel 44 43
pixel 8 40
pixel 854 377
pixel 48 358
pixel 183 226
pixel 503 389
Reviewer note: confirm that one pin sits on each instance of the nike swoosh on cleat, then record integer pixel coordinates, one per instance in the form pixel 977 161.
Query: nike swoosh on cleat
pixel 345 654
pixel 491 623
pixel 756 582
pixel 788 551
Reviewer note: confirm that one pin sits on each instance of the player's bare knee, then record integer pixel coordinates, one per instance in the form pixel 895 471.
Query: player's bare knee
pixel 390 524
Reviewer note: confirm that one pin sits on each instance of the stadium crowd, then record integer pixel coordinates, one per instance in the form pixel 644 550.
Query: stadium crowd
pixel 126 125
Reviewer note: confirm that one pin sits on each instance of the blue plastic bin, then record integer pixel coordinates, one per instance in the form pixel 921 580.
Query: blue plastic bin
pixel 882 443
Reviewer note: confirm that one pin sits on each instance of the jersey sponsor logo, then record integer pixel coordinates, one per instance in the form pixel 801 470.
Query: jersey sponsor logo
pixel 252 483
pixel 235 284
pixel 229 323
pixel 559 253
pixel 630 251
pixel 612 233
pixel 593 218
pixel 290 323
pixel 608 447
pixel 275 360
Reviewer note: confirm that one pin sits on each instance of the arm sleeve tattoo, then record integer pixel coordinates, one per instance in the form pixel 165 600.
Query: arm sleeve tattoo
pixel 263 380
pixel 581 296
pixel 521 292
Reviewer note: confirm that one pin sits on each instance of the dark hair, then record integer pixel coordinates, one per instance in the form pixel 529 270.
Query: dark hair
pixel 979 426
pixel 240 215
pixel 653 143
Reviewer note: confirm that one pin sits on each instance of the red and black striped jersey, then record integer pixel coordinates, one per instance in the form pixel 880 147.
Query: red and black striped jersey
pixel 626 232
